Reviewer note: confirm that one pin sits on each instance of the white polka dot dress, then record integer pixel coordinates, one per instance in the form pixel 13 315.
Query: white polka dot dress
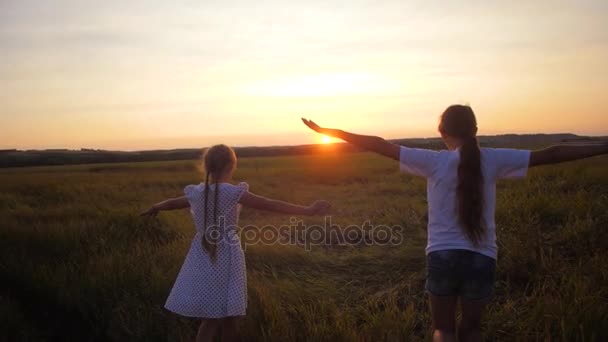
pixel 206 288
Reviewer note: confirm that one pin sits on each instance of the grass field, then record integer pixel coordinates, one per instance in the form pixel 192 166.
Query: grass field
pixel 78 264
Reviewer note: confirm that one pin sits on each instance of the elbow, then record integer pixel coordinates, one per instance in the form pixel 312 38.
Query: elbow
pixel 269 205
pixel 376 144
pixel 379 141
pixel 555 154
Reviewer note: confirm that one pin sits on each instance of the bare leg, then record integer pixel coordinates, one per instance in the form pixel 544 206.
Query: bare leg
pixel 443 312
pixel 228 326
pixel 207 330
pixel 470 326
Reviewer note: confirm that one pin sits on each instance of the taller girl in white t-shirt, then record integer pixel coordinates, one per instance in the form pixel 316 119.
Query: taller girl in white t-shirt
pixel 461 185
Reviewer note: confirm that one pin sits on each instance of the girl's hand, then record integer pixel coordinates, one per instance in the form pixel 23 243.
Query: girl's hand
pixel 152 212
pixel 367 142
pixel 315 127
pixel 319 208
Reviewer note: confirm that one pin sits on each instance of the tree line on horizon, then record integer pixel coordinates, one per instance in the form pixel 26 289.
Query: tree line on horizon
pixel 49 157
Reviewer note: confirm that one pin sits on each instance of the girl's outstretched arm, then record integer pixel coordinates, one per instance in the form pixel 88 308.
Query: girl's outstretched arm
pixel 562 153
pixel 251 200
pixel 368 142
pixel 170 204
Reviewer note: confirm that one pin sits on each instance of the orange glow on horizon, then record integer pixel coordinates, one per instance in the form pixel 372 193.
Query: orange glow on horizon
pixel 325 139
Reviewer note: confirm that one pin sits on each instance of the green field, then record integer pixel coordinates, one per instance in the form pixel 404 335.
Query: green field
pixel 77 263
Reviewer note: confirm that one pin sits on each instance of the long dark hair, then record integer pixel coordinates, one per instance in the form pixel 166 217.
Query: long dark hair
pixel 217 160
pixel 459 122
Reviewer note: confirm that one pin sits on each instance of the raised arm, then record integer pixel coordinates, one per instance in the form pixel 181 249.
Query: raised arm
pixel 170 204
pixel 262 203
pixel 563 153
pixel 368 142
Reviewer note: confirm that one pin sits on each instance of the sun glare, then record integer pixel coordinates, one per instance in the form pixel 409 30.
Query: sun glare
pixel 325 139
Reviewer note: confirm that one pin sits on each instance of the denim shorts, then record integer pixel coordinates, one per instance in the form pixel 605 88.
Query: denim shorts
pixel 459 272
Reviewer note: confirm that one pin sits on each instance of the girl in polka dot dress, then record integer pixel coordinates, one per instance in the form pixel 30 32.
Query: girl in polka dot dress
pixel 212 283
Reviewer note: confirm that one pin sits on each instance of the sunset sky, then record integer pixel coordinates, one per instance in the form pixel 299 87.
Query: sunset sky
pixel 166 74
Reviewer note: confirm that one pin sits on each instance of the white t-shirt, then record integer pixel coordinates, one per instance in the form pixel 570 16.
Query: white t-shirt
pixel 440 168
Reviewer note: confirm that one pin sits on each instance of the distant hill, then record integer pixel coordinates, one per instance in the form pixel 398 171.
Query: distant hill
pixel 18 158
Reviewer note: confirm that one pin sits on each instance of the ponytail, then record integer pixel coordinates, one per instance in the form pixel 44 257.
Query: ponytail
pixel 470 190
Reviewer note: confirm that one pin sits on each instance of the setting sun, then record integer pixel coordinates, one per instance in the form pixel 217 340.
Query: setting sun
pixel 198 79
pixel 325 139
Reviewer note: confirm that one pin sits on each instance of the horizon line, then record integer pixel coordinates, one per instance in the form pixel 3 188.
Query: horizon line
pixel 14 149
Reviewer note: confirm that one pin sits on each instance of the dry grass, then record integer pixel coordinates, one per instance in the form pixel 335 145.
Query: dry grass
pixel 76 263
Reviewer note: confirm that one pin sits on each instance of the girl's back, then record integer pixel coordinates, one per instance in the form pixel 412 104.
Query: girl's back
pixel 207 286
pixel 441 170
pixel 222 207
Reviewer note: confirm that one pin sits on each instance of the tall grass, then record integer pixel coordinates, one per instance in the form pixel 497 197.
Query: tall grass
pixel 76 263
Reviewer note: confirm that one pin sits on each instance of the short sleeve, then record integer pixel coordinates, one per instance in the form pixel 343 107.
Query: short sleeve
pixel 241 188
pixel 510 163
pixel 192 193
pixel 417 161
